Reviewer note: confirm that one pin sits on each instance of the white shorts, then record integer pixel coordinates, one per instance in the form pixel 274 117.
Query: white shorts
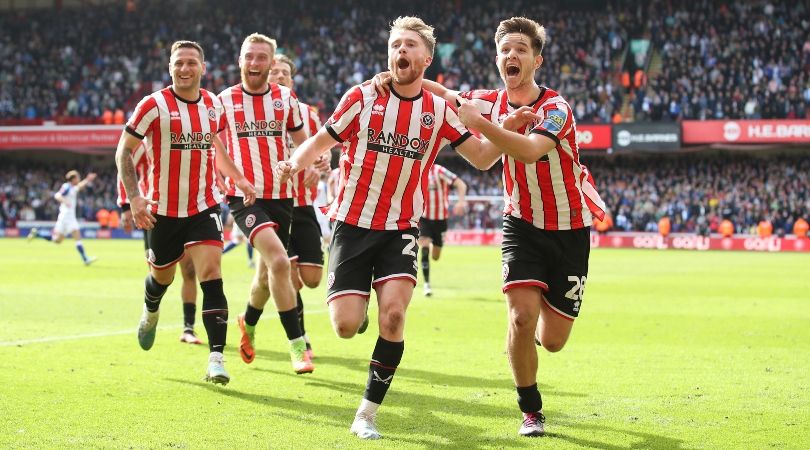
pixel 66 225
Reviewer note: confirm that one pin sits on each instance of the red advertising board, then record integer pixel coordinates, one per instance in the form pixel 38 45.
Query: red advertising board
pixel 60 137
pixel 654 241
pixel 746 131
pixel 701 243
pixel 594 137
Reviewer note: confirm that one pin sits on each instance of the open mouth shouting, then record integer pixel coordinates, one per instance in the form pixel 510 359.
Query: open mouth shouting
pixel 403 64
pixel 512 70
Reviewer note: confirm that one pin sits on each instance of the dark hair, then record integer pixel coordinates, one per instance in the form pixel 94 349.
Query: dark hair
pixel 522 25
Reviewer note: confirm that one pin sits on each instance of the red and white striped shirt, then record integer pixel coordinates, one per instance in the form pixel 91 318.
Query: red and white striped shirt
pixel 557 191
pixel 179 136
pixel 436 203
pixel 141 170
pixel 257 126
pixel 305 196
pixel 389 145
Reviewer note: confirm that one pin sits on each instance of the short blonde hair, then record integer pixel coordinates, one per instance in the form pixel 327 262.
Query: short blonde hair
pixel 188 44
pixel 535 32
pixel 286 60
pixel 258 37
pixel 72 174
pixel 418 26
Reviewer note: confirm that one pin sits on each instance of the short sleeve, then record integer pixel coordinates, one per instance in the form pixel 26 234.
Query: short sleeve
pixel 557 120
pixel 294 118
pixel 345 121
pixel 146 113
pixel 452 129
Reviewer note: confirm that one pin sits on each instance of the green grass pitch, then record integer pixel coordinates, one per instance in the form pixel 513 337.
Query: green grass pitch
pixel 672 350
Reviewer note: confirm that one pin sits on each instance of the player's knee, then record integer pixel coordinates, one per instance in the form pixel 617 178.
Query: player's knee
pixel 553 345
pixel 392 320
pixel 522 319
pixel 279 264
pixel 345 328
pixel 311 279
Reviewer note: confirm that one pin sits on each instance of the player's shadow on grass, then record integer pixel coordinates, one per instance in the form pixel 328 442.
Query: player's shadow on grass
pixel 415 423
pixel 428 412
pixel 433 378
pixel 647 440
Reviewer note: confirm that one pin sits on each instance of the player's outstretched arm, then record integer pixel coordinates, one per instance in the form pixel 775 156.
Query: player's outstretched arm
pixel 305 155
pixel 87 180
pixel 139 206
pixel 229 169
pixel 526 149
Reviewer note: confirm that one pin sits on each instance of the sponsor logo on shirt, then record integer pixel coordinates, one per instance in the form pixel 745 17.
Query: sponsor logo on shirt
pixel 191 141
pixel 259 128
pixel 397 144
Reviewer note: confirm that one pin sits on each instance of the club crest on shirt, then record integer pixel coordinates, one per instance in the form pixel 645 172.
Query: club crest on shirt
pixel 212 114
pixel 277 104
pixel 428 120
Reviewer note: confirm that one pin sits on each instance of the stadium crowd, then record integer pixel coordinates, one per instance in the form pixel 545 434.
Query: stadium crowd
pixel 739 60
pixel 54 70
pixel 695 191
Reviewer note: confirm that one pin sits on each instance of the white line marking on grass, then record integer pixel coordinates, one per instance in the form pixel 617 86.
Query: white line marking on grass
pixel 106 334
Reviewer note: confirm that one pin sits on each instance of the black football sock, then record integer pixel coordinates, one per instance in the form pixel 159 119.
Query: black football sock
pixel 426 263
pixel 289 320
pixel 384 361
pixel 252 315
pixel 189 312
pixel 529 399
pixel 299 307
pixel 153 293
pixel 215 314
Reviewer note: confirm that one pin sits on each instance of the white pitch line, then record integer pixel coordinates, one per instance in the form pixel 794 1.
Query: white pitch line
pixel 105 334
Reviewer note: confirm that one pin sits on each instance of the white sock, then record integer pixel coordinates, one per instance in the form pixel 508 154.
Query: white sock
pixel 367 408
pixel 298 339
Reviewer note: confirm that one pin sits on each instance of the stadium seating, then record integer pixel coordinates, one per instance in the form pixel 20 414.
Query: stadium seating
pixel 54 70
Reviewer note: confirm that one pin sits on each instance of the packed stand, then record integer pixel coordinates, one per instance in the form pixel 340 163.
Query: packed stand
pixel 695 191
pixel 729 60
pixel 83 63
